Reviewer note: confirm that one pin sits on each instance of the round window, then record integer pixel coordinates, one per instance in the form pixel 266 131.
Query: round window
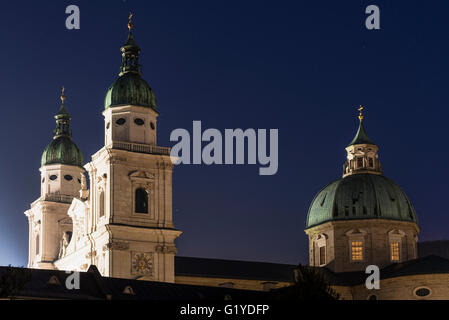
pixel 138 121
pixel 152 125
pixel 53 177
pixel 68 177
pixel 120 121
pixel 422 292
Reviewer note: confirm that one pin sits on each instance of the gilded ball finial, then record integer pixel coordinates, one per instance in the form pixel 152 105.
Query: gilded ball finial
pixel 62 95
pixel 130 23
pixel 360 113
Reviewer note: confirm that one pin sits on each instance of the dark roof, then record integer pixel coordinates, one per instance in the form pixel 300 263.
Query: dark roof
pixel 217 268
pixel 427 265
pixel 95 287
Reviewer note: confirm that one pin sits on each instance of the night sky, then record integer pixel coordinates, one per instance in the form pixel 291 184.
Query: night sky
pixel 298 66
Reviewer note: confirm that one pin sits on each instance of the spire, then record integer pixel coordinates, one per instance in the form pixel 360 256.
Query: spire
pixel 130 52
pixel 62 120
pixel 362 154
pixel 361 137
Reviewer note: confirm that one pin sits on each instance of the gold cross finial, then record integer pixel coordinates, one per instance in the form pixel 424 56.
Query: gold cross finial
pixel 62 95
pixel 360 113
pixel 130 23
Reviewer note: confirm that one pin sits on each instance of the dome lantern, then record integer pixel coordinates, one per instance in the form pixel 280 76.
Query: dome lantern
pixel 62 150
pixel 362 154
pixel 130 88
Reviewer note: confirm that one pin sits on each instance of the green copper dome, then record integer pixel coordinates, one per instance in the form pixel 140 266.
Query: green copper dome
pixel 62 150
pixel 360 196
pixel 130 88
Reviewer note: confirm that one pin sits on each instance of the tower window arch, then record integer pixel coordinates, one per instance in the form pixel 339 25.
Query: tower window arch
pixel 37 244
pixel 101 203
pixel 141 200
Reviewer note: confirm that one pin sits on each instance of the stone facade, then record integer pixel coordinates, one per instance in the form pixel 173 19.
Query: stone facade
pixel 114 236
pixel 375 236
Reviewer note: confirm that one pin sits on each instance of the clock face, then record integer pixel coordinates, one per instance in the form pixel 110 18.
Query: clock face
pixel 142 263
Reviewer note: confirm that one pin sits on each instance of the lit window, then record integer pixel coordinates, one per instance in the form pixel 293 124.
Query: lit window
pixel 322 255
pixel 395 252
pixel 357 250
pixel 141 200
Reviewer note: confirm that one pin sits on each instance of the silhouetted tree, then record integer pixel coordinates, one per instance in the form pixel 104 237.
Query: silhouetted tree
pixel 310 284
pixel 13 281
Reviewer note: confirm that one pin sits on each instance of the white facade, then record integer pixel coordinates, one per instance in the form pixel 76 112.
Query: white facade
pixel 123 222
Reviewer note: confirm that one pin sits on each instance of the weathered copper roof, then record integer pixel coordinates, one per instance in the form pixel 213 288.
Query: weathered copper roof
pixel 360 196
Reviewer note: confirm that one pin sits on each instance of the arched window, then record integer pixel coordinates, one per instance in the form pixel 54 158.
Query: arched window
pixel 37 244
pixel 141 200
pixel 101 200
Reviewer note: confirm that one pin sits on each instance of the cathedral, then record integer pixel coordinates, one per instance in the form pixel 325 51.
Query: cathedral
pixel 115 212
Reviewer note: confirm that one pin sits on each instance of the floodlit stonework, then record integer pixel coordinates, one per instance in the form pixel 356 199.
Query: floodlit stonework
pixel 115 212
pixel 122 221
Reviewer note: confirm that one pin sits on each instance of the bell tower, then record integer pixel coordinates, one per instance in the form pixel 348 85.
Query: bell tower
pixel 61 175
pixel 130 212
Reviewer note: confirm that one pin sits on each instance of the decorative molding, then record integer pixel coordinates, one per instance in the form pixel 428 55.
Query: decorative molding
pixel 119 245
pixel 356 233
pixel 141 175
pixel 142 263
pixel 91 254
pixel 166 249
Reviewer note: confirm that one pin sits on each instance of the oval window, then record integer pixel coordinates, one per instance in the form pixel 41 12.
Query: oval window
pixel 68 177
pixel 53 177
pixel 422 292
pixel 107 125
pixel 138 121
pixel 43 179
pixel 120 121
pixel 79 181
pixel 152 125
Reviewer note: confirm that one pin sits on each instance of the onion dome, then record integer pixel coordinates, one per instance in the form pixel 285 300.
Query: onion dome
pixel 62 150
pixel 130 88
pixel 363 192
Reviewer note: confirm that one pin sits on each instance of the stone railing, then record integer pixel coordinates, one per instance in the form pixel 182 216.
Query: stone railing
pixel 57 198
pixel 137 147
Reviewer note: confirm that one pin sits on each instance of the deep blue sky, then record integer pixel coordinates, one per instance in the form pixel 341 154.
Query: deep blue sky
pixel 299 66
